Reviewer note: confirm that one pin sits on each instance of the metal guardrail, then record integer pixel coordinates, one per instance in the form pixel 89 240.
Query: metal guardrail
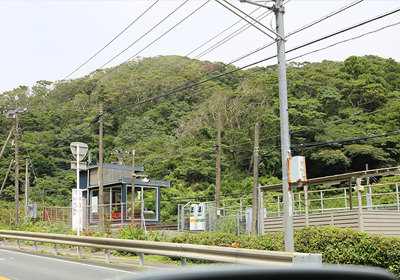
pixel 176 250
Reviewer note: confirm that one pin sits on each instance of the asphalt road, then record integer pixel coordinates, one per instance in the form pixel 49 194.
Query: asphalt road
pixel 24 266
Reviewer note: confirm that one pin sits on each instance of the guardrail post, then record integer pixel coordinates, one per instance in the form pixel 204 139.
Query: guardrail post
pixel 301 259
pixel 19 244
pixel 4 242
pixel 141 257
pixel 79 250
pixel 56 249
pixel 108 256
pixel 36 246
pixel 183 262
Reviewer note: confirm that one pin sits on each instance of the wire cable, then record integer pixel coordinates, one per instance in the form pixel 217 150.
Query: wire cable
pixel 344 41
pixel 110 41
pixel 170 14
pixel 299 29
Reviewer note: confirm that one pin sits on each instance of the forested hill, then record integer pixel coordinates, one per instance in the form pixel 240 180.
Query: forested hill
pixel 173 135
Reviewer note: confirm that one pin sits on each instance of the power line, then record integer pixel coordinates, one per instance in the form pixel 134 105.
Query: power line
pixel 232 35
pixel 230 72
pixel 218 34
pixel 299 29
pixel 170 14
pixel 344 41
pixel 262 60
pixel 111 41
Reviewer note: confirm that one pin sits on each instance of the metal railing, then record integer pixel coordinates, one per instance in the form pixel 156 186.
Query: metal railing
pixel 319 204
pixel 175 250
pixel 117 214
pixel 232 221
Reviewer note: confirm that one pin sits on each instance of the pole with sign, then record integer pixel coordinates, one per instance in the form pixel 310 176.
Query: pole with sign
pixel 79 151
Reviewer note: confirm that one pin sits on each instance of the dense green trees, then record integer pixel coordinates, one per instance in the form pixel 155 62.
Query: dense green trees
pixel 174 134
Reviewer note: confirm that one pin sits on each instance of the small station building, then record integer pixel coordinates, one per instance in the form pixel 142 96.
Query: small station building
pixel 117 192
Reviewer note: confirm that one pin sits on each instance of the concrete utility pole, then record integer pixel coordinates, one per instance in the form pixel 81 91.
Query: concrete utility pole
pixel 284 118
pixel 255 181
pixel 218 178
pixel 101 199
pixel 16 211
pixel 133 187
pixel 279 10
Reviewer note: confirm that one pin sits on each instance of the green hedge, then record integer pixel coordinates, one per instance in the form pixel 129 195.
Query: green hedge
pixel 339 246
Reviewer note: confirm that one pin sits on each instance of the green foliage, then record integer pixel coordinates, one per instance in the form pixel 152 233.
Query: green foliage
pixel 174 135
pixel 337 246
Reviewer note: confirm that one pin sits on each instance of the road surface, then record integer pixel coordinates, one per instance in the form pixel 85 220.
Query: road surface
pixel 24 265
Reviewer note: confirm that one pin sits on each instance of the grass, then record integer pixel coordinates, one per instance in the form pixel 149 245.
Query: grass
pixel 158 259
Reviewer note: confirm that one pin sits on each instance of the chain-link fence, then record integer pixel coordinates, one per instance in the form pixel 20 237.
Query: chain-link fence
pixel 97 217
pixel 215 219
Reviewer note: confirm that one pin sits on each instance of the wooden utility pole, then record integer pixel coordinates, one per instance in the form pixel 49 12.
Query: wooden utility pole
pixel 218 178
pixel 26 187
pixel 133 187
pixel 7 140
pixel 255 181
pixel 16 211
pixel 101 200
pixel 5 178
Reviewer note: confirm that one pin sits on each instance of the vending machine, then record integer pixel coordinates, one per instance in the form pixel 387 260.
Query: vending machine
pixel 193 216
pixel 201 217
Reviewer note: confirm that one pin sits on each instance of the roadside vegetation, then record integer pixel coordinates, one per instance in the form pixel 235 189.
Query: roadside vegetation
pixel 173 136
pixel 337 246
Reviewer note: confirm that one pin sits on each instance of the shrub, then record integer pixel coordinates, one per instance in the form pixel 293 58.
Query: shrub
pixel 338 246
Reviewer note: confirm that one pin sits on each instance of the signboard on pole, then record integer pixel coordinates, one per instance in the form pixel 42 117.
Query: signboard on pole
pixel 79 148
pixel 79 151
pixel 76 209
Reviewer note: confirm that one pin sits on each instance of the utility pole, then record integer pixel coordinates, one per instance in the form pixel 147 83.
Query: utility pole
pixel 279 10
pixel 284 117
pixel 133 188
pixel 16 211
pixel 255 181
pixel 101 200
pixel 7 140
pixel 5 178
pixel 26 187
pixel 218 178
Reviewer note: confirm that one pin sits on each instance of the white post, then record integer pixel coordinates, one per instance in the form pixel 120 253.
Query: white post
pixel 345 199
pixel 77 187
pixel 397 195
pixel 322 202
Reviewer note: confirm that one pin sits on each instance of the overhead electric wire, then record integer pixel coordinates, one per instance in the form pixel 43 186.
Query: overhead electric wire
pixel 233 35
pixel 220 33
pixel 325 143
pixel 345 29
pixel 165 18
pixel 299 29
pixel 344 41
pixel 232 71
pixel 244 18
pixel 111 40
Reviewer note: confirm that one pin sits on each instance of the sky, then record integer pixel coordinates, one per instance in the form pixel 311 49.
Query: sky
pixel 48 40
